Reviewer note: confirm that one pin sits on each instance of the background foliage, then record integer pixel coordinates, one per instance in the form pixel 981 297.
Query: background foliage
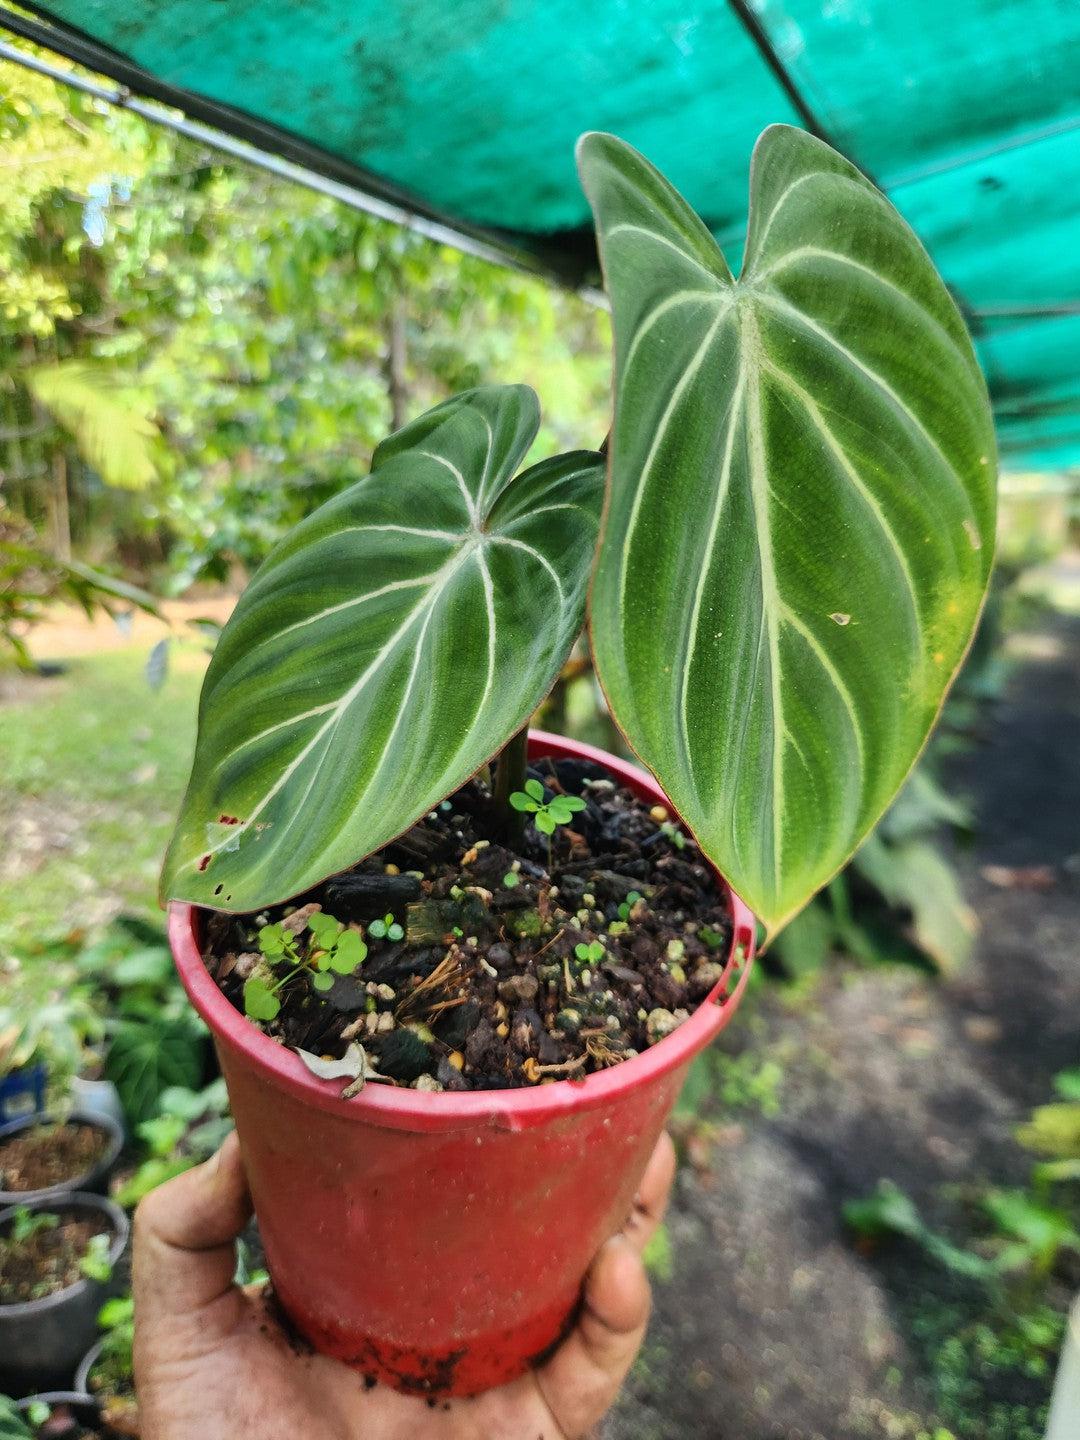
pixel 195 354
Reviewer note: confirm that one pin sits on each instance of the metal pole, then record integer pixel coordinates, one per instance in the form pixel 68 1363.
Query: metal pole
pixel 508 256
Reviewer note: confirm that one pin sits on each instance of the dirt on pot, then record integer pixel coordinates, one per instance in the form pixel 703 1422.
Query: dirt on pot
pixel 49 1258
pixel 49 1155
pixel 494 960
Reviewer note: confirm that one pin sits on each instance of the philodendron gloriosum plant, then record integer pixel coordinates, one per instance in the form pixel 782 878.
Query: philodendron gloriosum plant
pixel 796 542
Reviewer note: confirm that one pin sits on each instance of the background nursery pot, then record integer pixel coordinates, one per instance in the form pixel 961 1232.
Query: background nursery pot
pixel 95 1180
pixel 42 1341
pixel 438 1241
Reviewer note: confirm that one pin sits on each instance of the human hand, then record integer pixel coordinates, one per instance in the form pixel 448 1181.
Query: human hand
pixel 211 1362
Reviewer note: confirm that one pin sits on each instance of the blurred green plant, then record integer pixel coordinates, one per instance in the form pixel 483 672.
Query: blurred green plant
pixel 188 1127
pixel 12 1424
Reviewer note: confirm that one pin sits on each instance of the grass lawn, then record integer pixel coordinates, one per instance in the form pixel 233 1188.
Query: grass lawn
pixel 94 763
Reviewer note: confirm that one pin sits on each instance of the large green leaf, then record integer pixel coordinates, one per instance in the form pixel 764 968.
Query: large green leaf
pixel 386 649
pixel 800 523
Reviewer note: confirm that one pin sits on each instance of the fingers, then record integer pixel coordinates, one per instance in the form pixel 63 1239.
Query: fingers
pixel 580 1381
pixel 185 1233
pixel 653 1193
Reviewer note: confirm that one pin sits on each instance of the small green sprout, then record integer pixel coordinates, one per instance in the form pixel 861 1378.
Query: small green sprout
pixel 674 834
pixel 38 1413
pixel 386 929
pixel 26 1223
pixel 96 1264
pixel 591 953
pixel 511 879
pixel 332 950
pixel 711 937
pixel 629 903
pixel 559 810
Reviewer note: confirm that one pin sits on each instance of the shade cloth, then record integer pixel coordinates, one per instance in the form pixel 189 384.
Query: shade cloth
pixel 966 113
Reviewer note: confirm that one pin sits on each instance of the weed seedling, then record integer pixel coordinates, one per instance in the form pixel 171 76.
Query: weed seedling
pixel 629 903
pixel 549 815
pixel 332 950
pixel 386 929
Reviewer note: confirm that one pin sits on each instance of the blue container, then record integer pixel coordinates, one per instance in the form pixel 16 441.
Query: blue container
pixel 22 1094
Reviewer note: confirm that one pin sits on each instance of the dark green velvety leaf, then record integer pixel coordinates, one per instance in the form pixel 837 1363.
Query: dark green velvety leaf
pixel 146 1057
pixel 385 650
pixel 800 523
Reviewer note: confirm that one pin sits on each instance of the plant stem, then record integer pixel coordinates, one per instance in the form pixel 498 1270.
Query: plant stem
pixel 510 776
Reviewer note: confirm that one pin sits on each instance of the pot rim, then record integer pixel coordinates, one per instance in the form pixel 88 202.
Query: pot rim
pixel 86 1365
pixel 26 1309
pixel 101 1166
pixel 81 1398
pixel 514 1109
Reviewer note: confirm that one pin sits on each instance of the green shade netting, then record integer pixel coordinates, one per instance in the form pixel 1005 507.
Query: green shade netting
pixel 967 113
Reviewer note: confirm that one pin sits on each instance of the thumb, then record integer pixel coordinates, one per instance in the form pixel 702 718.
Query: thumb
pixel 185 1234
pixel 582 1378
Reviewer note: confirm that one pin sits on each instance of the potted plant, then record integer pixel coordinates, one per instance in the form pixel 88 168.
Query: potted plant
pixel 370 886
pixel 107 1370
pixel 56 1268
pixel 42 1157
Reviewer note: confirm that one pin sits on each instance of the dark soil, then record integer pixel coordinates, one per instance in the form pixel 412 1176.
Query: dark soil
pixel 488 988
pixel 46 1261
pixel 49 1155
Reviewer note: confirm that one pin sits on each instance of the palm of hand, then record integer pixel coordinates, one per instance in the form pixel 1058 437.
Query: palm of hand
pixel 211 1361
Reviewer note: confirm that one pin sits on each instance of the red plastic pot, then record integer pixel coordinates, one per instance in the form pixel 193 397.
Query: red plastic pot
pixel 438 1241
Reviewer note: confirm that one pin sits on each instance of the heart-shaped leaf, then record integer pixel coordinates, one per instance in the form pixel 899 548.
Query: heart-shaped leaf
pixel 260 1002
pixel 800 523
pixel 384 650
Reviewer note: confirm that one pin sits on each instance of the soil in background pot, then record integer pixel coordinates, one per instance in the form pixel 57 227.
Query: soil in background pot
pixel 49 1258
pixel 496 962
pixel 48 1155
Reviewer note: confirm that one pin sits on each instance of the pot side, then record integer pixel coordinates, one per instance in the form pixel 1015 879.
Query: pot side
pixel 42 1341
pixel 437 1242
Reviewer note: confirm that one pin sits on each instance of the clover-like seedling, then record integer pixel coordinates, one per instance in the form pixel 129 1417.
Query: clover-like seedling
pixel 386 929
pixel 333 950
pixel 559 810
pixel 511 879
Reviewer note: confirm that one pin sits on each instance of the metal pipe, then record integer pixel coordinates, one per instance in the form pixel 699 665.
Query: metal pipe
pixel 174 115
pixel 348 195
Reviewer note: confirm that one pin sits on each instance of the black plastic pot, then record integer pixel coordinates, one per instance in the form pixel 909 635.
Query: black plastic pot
pixel 42 1341
pixel 86 1367
pixel 94 1181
